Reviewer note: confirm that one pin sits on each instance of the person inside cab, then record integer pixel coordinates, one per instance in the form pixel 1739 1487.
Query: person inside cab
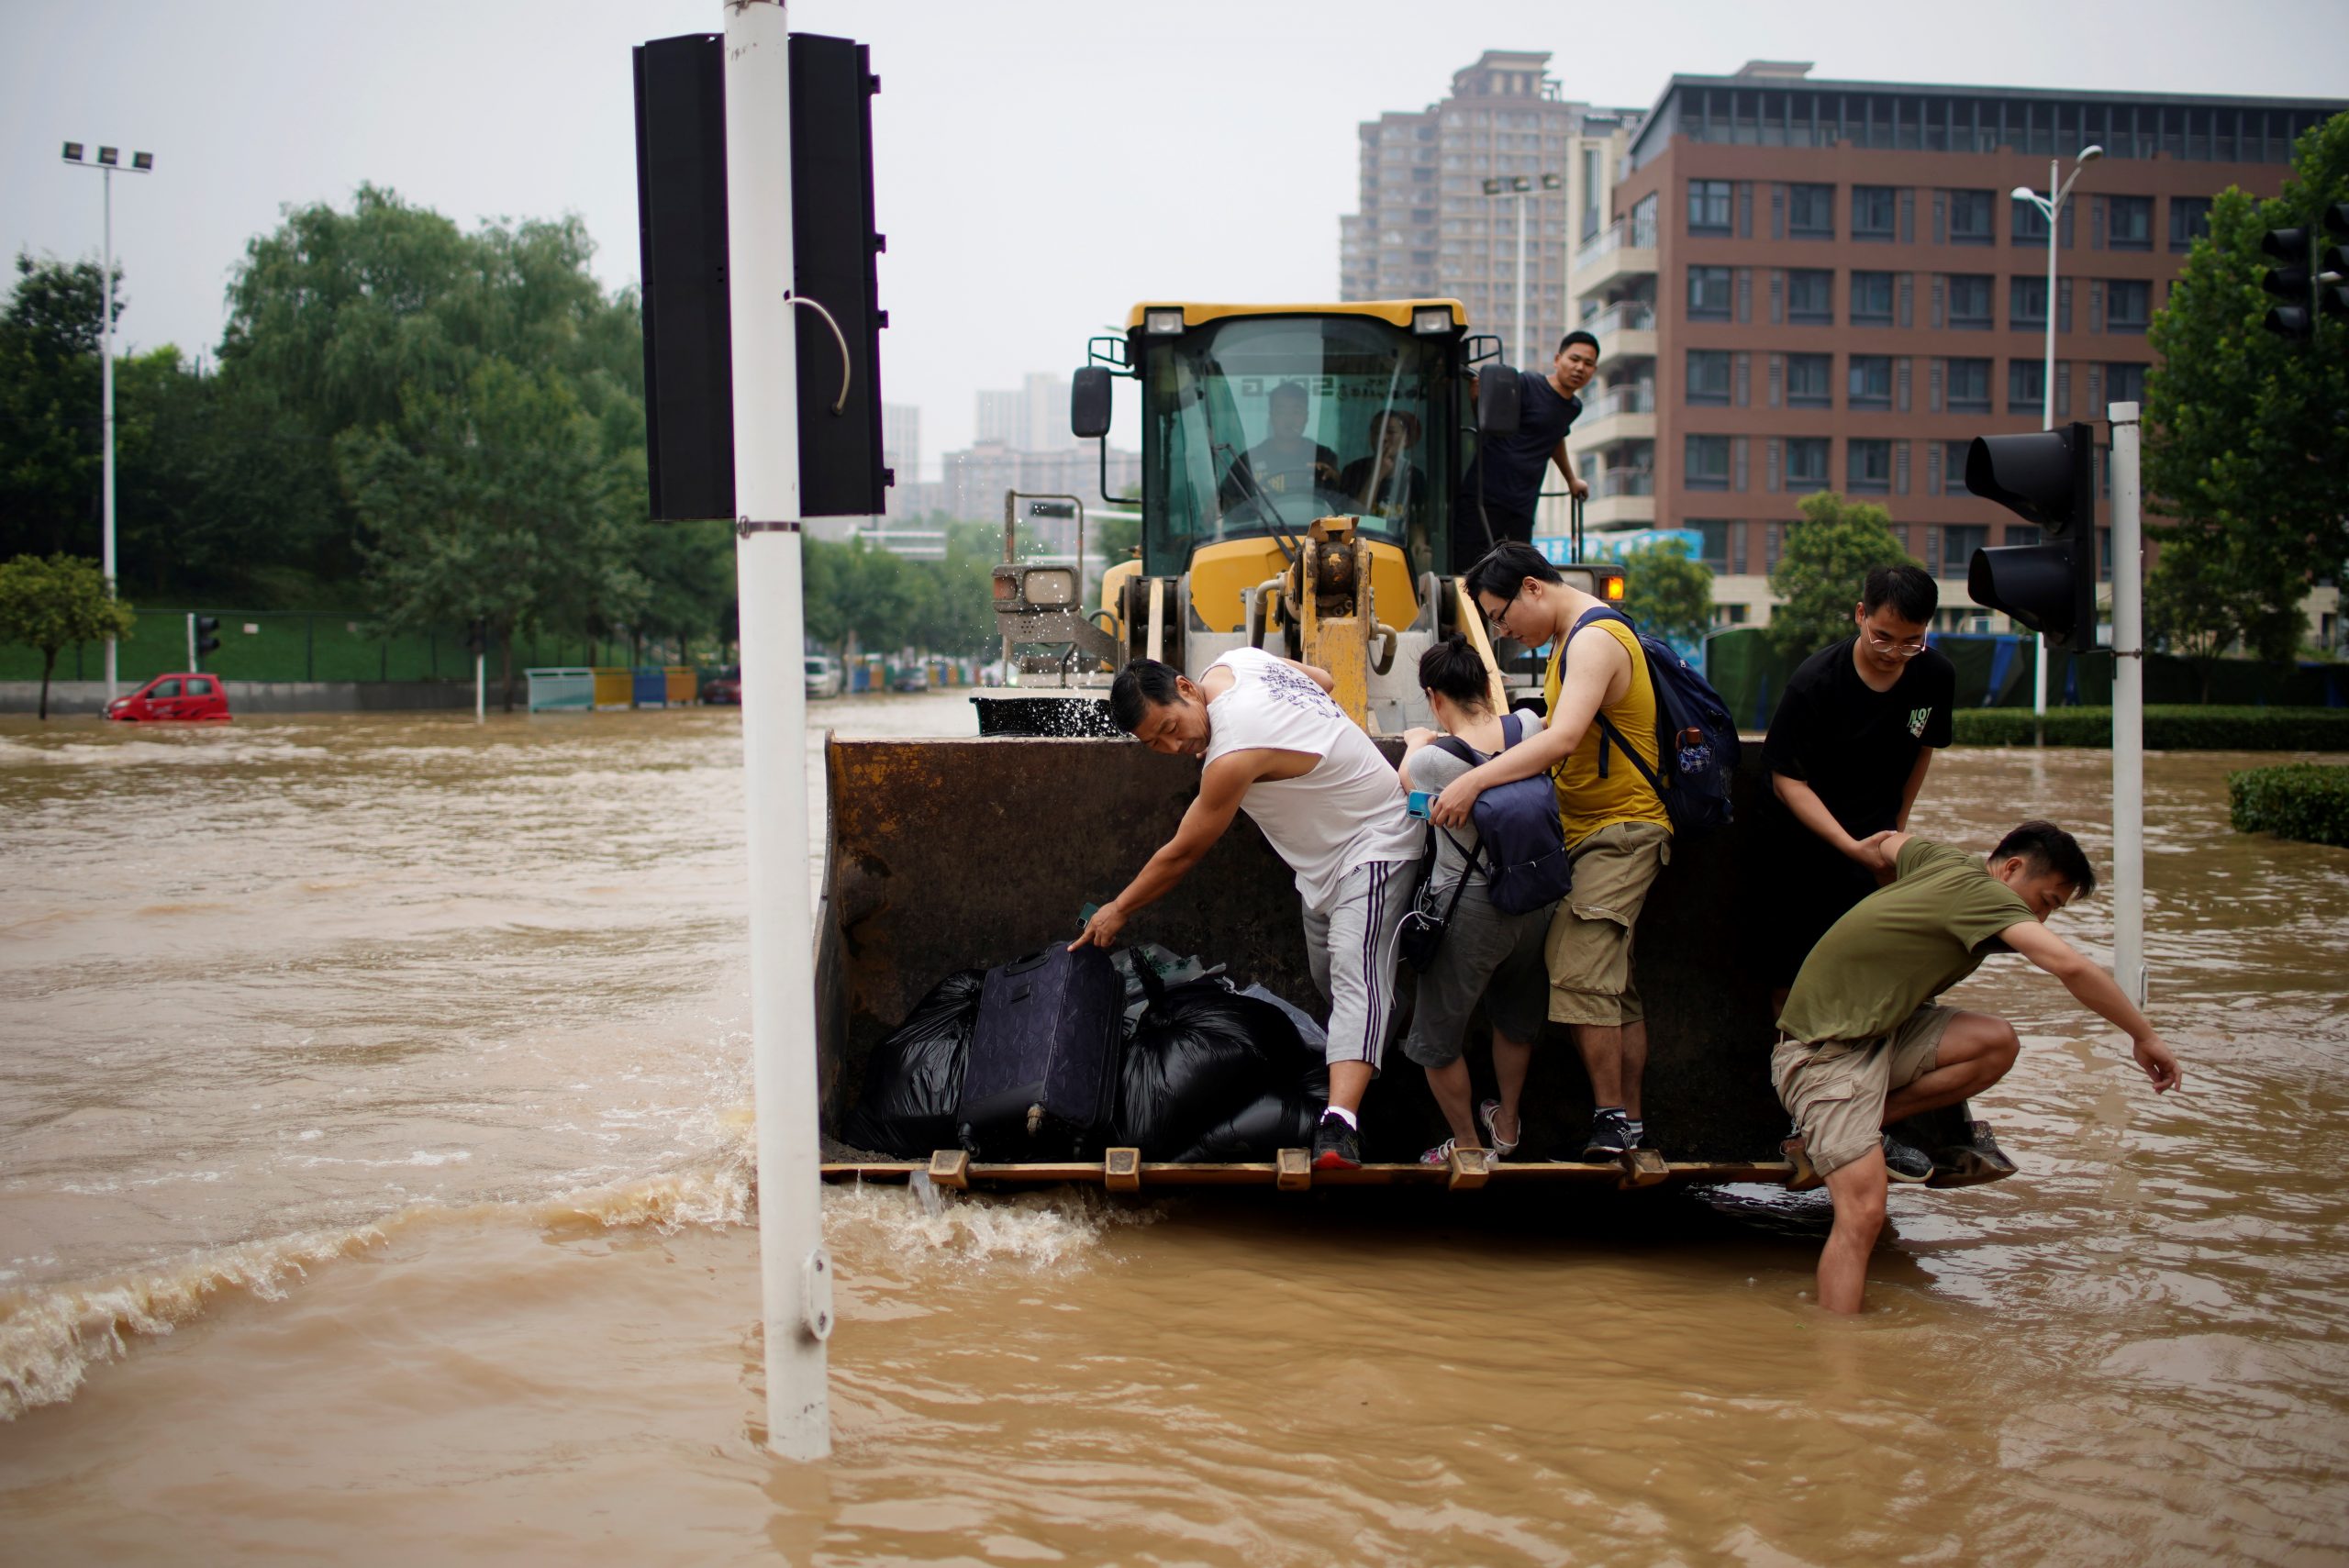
pixel 1287 461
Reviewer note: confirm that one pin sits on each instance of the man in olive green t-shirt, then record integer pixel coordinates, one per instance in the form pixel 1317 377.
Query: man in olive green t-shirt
pixel 1861 1044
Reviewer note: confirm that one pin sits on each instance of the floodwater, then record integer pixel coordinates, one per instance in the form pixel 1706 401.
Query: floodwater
pixel 374 1126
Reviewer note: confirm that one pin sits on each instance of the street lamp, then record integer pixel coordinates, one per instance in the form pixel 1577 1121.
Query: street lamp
pixel 1517 188
pixel 2051 207
pixel 109 162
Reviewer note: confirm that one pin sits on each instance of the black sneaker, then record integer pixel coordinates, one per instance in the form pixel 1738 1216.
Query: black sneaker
pixel 1336 1145
pixel 1610 1139
pixel 1906 1162
pixel 1977 1160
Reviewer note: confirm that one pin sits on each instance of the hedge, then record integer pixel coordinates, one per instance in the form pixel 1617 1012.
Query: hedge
pixel 2308 801
pixel 2181 728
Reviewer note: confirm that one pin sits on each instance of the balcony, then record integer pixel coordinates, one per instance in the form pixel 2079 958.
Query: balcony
pixel 1620 499
pixel 1623 250
pixel 1625 330
pixel 1623 414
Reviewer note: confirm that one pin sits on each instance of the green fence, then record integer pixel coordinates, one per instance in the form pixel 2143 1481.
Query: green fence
pixel 292 645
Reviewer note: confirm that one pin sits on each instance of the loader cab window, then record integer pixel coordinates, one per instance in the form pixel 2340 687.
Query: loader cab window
pixel 1258 426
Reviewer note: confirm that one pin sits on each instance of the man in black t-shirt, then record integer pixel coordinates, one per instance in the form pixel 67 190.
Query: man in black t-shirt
pixel 1848 749
pixel 1509 469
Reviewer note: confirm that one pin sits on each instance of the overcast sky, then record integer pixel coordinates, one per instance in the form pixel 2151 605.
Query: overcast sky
pixel 1042 164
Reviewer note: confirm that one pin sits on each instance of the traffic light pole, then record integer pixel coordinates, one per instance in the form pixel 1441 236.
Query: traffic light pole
pixel 2128 707
pixel 794 1267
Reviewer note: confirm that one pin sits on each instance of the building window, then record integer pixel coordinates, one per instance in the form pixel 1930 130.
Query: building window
pixel 1810 297
pixel 1870 385
pixel 1709 206
pixel 1969 217
pixel 2128 223
pixel 2124 384
pixel 1810 381
pixel 1871 299
pixel 1709 295
pixel 1867 468
pixel 2128 305
pixel 1708 376
pixel 2189 220
pixel 1810 212
pixel 2030 223
pixel 2026 386
pixel 1707 458
pixel 1715 553
pixel 1969 386
pixel 1959 541
pixel 1954 466
pixel 1969 302
pixel 1873 212
pixel 2022 533
pixel 1807 462
pixel 2026 303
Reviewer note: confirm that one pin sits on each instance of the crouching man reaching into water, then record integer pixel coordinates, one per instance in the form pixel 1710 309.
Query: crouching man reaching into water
pixel 1861 1044
pixel 1277 746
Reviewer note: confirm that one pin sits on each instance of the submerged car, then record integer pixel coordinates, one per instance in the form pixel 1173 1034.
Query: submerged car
pixel 725 688
pixel 183 697
pixel 824 677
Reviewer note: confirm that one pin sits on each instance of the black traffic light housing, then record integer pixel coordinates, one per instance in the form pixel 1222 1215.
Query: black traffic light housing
pixel 2332 265
pixel 477 638
pixel 2047 477
pixel 2291 280
pixel 207 635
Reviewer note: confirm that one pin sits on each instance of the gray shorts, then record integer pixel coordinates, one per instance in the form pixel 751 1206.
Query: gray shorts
pixel 1488 956
pixel 1350 945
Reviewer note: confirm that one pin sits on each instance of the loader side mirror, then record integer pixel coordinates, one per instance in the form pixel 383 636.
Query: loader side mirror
pixel 1497 405
pixel 1088 403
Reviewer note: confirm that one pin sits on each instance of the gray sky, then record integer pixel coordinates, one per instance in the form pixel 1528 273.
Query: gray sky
pixel 1041 164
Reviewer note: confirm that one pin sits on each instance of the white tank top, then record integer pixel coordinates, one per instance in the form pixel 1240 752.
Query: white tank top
pixel 1347 812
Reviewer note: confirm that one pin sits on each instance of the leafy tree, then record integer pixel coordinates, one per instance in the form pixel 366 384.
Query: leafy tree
pixel 50 603
pixel 49 417
pixel 1821 565
pixel 1668 594
pixel 492 503
pixel 2245 447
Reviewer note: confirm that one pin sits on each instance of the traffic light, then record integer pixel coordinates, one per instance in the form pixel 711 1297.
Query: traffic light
pixel 2333 266
pixel 207 634
pixel 2292 281
pixel 2049 478
pixel 477 638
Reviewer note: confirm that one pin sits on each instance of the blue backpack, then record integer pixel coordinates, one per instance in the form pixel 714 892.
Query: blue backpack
pixel 1697 746
pixel 1517 832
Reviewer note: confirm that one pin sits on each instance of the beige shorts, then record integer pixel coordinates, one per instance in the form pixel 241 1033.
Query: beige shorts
pixel 1835 1090
pixel 1589 947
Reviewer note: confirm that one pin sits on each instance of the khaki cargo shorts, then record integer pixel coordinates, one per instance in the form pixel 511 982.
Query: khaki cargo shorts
pixel 1835 1089
pixel 1589 948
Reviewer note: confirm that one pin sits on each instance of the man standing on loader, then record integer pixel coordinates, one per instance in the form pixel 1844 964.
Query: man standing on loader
pixel 1275 745
pixel 1503 485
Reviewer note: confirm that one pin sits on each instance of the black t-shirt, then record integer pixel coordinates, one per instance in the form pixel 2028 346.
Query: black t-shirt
pixel 1513 463
pixel 1855 746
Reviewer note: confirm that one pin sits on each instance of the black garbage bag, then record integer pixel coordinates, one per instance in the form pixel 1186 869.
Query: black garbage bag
pixel 913 1080
pixel 1200 1055
pixel 1275 1120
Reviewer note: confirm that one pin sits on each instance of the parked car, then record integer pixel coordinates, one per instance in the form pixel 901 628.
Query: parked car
pixel 824 677
pixel 911 678
pixel 725 688
pixel 184 697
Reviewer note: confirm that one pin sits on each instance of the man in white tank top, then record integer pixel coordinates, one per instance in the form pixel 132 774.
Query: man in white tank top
pixel 1275 744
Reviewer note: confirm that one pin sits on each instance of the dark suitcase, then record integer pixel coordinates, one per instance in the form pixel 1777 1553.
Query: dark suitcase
pixel 1040 1081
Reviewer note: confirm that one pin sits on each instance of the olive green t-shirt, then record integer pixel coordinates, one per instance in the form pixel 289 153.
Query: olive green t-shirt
pixel 1901 946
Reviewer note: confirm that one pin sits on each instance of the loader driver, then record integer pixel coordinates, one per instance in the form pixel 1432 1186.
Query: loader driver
pixel 1275 745
pixel 1288 459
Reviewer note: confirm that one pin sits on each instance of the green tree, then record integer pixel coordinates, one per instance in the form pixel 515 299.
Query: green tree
pixel 50 426
pixel 1821 565
pixel 51 603
pixel 2245 447
pixel 496 502
pixel 1670 594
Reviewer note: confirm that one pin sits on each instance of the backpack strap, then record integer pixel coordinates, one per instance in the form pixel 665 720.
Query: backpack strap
pixel 1454 746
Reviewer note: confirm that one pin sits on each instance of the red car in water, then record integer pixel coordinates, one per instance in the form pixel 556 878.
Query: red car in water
pixel 183 697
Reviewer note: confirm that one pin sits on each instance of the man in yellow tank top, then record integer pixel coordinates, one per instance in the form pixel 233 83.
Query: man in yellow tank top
pixel 1615 828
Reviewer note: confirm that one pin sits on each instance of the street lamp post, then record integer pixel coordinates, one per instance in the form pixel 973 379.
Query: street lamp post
pixel 1517 188
pixel 2052 207
pixel 109 159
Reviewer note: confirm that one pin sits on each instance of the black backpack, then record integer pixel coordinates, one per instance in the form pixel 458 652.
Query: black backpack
pixel 1519 834
pixel 1697 747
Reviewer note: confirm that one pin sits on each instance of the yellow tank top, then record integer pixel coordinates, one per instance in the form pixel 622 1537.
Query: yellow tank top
pixel 1587 802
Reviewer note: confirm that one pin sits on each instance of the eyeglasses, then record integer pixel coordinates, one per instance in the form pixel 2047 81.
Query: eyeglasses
pixel 1496 621
pixel 1884 644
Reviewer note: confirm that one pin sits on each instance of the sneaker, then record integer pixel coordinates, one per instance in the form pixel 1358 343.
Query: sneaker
pixel 1610 1139
pixel 1798 1153
pixel 1441 1154
pixel 1906 1162
pixel 1977 1160
pixel 1336 1146
pixel 1487 1115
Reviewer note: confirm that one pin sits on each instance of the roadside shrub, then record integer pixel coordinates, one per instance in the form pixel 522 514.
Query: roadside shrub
pixel 2167 728
pixel 2308 801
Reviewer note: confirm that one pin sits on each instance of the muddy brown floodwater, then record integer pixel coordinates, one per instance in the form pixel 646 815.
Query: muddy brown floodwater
pixel 374 1124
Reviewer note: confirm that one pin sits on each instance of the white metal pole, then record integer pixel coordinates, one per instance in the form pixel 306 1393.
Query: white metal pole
pixel 480 687
pixel 795 1269
pixel 1524 350
pixel 2046 421
pixel 191 664
pixel 2128 708
pixel 106 420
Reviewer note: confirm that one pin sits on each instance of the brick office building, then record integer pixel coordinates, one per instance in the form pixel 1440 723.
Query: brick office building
pixel 1840 294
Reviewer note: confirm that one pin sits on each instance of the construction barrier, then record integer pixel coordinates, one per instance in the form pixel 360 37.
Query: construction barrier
pixel 649 687
pixel 684 688
pixel 615 688
pixel 568 689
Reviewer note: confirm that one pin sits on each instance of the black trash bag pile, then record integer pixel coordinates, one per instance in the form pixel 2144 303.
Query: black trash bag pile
pixel 1207 1075
pixel 913 1080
